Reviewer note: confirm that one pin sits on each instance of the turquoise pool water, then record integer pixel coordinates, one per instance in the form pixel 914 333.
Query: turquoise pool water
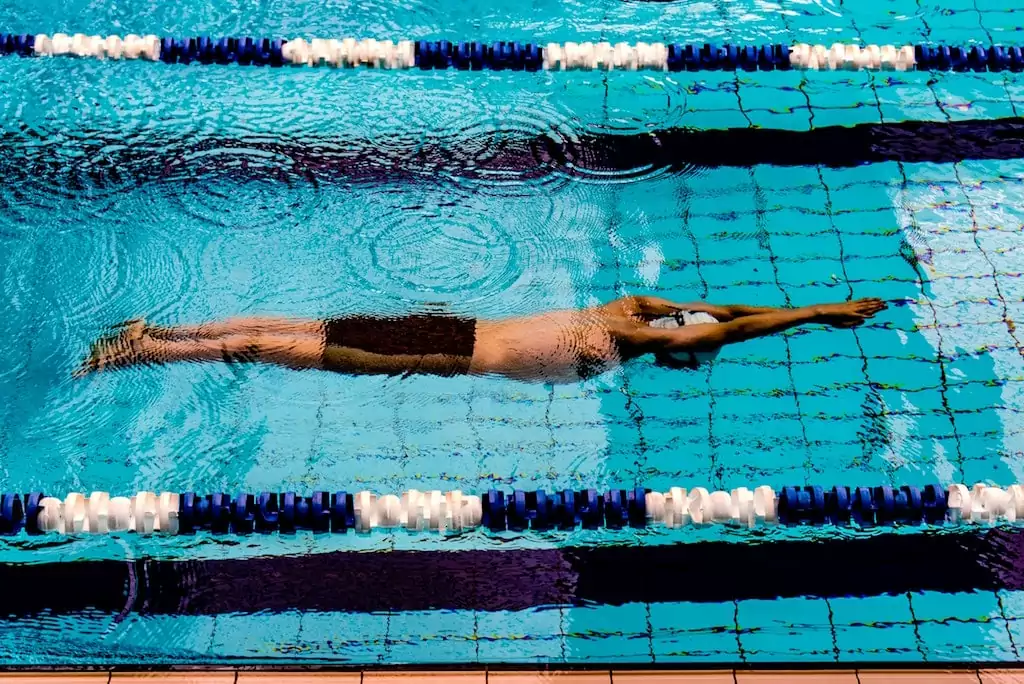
pixel 183 194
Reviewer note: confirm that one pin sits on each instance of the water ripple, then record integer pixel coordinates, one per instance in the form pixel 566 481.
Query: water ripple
pixel 263 191
pixel 438 249
pixel 502 143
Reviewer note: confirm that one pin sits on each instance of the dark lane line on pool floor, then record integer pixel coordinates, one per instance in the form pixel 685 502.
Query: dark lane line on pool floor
pixel 99 158
pixel 492 580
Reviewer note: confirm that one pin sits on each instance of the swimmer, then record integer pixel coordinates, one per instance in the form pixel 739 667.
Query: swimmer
pixel 558 346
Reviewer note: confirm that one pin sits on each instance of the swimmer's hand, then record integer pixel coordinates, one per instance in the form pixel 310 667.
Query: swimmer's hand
pixel 849 314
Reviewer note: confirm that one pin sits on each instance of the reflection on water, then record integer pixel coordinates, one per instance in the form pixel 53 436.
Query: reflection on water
pixel 496 579
pixel 121 609
pixel 504 161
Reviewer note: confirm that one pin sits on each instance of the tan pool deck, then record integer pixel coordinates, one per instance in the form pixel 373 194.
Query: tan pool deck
pixel 866 676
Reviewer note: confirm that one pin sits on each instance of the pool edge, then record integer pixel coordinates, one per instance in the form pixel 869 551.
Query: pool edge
pixel 1005 673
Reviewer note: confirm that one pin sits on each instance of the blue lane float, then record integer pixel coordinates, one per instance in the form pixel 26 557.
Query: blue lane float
pixel 515 55
pixel 498 511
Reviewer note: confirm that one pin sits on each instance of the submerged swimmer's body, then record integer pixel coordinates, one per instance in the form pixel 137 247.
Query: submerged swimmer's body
pixel 559 346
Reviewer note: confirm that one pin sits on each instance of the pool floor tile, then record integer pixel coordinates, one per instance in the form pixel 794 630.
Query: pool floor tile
pixel 1001 676
pixel 225 677
pixel 299 678
pixel 681 677
pixel 424 677
pixel 48 678
pixel 540 677
pixel 919 676
pixel 801 677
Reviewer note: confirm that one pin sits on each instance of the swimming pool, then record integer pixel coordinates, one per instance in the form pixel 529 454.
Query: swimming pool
pixel 185 194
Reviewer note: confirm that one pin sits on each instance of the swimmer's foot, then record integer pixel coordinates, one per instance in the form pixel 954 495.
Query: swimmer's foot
pixel 123 348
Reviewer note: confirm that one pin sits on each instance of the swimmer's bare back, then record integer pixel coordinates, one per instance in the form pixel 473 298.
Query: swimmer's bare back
pixel 558 346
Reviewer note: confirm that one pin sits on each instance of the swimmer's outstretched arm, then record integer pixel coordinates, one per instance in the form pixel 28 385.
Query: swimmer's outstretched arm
pixel 656 306
pixel 706 337
pixel 728 312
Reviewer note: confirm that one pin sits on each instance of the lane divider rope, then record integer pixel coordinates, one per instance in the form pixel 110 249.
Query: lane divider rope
pixel 453 511
pixel 513 55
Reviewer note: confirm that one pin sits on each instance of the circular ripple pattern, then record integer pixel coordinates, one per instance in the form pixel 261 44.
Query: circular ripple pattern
pixel 436 250
pixel 108 272
pixel 529 138
pixel 494 254
pixel 61 156
pixel 246 188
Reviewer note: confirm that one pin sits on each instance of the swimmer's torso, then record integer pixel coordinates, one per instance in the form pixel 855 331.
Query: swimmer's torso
pixel 558 346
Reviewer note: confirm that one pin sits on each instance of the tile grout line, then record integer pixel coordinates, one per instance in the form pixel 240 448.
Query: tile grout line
pixel 1006 622
pixel 764 241
pixel 960 186
pixel 872 389
pixel 942 355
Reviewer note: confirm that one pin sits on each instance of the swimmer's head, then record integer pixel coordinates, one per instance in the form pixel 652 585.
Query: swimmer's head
pixel 690 360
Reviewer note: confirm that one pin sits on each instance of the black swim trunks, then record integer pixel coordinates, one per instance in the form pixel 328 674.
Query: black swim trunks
pixel 434 344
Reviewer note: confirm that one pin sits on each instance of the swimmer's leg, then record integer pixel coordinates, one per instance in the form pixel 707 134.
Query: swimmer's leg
pixel 290 351
pixel 255 325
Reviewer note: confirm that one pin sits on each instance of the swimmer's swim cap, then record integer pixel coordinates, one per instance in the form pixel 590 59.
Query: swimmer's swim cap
pixel 686 359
